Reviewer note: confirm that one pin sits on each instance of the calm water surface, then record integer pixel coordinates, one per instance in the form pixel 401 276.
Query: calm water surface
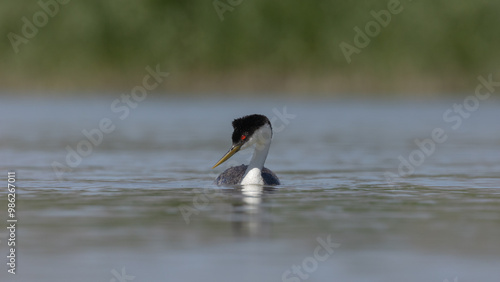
pixel 142 203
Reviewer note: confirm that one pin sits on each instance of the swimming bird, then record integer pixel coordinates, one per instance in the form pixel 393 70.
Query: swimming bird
pixel 248 131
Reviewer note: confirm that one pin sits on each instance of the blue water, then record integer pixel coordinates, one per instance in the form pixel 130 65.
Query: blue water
pixel 142 202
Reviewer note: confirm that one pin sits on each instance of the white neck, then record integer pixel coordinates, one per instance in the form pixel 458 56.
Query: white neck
pixel 262 139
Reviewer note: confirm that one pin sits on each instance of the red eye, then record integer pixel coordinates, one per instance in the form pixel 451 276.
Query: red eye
pixel 243 137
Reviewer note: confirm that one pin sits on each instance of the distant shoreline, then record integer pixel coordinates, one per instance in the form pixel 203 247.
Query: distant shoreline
pixel 243 82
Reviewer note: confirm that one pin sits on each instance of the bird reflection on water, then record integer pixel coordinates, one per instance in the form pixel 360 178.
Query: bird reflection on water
pixel 252 210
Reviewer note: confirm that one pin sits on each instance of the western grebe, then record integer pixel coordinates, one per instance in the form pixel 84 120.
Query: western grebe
pixel 249 130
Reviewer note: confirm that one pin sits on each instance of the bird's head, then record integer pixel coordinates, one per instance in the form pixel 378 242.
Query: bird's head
pixel 248 130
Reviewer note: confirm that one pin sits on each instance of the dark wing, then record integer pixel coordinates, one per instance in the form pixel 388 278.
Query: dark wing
pixel 234 175
pixel 231 176
pixel 269 177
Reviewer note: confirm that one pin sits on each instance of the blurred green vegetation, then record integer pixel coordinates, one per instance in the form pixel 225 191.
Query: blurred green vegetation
pixel 284 46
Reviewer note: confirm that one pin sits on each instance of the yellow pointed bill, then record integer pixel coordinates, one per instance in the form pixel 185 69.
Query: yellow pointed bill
pixel 229 154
